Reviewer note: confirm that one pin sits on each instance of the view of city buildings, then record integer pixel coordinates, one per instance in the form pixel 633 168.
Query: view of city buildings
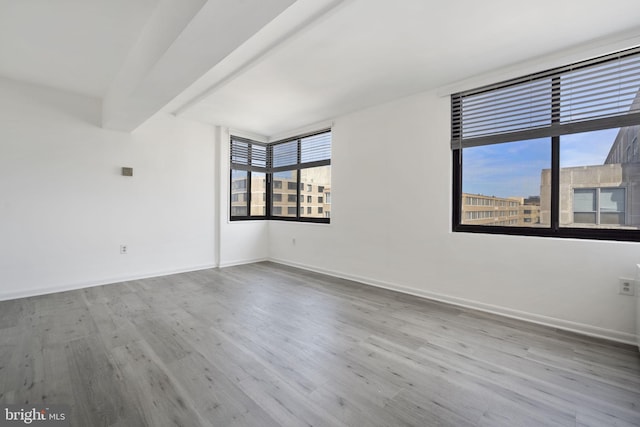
pixel 602 196
pixel 315 193
pixel 478 209
pixel 592 196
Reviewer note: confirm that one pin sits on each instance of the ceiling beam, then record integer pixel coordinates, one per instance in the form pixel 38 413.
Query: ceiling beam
pixel 181 42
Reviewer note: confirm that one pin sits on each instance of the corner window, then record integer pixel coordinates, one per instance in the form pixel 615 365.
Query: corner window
pixel 267 179
pixel 551 154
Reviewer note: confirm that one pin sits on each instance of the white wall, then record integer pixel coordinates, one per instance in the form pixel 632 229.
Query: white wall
pixel 390 226
pixel 65 209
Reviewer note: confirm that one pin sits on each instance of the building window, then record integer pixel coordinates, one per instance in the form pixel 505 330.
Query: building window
pixel 320 199
pixel 599 206
pixel 563 143
pixel 319 210
pixel 309 209
pixel 320 188
pixel 247 194
pixel 296 164
pixel 327 197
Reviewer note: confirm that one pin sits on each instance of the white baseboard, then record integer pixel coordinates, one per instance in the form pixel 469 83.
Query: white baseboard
pixel 553 322
pixel 107 281
pixel 241 262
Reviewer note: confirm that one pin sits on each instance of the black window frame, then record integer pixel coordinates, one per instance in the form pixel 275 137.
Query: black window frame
pixel 246 164
pixel 555 229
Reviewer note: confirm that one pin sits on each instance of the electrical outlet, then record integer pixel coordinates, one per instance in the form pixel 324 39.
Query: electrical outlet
pixel 123 249
pixel 626 286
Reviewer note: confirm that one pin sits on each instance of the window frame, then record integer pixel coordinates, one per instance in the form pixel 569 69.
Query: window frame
pixel 554 229
pixel 269 171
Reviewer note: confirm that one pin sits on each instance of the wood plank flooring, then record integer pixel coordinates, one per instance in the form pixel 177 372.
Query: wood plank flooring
pixel 267 345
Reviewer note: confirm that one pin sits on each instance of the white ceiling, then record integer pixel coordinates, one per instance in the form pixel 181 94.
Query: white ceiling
pixel 74 45
pixel 314 61
pixel 366 52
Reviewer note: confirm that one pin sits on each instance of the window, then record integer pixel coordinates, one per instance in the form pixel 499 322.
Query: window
pixel 320 199
pixel 309 209
pixel 319 210
pixel 289 166
pixel 599 206
pixel 286 176
pixel 327 198
pixel 318 175
pixel 320 189
pixel 248 189
pixel 563 143
pixel 239 194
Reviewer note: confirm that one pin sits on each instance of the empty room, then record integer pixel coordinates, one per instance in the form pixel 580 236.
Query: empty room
pixel 319 213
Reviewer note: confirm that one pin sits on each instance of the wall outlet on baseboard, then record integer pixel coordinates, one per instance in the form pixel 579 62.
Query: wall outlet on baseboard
pixel 123 249
pixel 627 286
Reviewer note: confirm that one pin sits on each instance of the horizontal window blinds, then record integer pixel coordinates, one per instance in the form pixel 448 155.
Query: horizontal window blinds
pixel 596 94
pixel 248 155
pixel 315 148
pixel 301 152
pixel 285 154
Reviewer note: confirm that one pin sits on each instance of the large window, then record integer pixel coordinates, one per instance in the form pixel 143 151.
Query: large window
pixel 551 154
pixel 286 180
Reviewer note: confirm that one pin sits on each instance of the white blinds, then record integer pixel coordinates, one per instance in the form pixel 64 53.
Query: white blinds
pixel 248 155
pixel 591 95
pixel 306 151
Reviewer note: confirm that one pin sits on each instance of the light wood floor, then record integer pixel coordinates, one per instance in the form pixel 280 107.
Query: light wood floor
pixel 266 345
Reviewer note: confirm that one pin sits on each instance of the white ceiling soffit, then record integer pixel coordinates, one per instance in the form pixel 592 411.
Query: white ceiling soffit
pixel 366 52
pixel 181 42
pixel 72 45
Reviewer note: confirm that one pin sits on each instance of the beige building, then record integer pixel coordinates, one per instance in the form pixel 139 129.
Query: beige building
pixel 600 196
pixel 315 195
pixel 478 209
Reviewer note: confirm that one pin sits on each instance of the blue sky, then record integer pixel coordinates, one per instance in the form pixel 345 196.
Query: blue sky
pixel 513 169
